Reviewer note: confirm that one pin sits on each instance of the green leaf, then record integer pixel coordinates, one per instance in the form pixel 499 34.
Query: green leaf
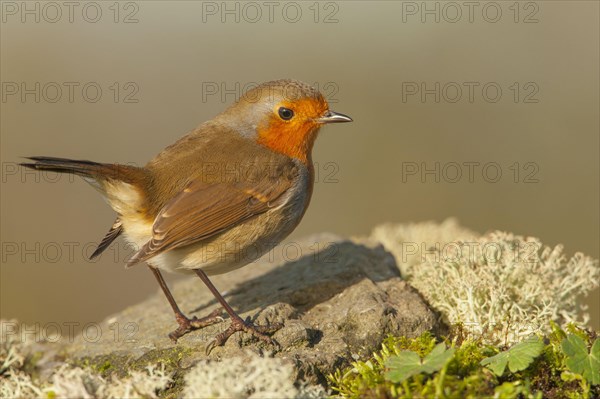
pixel 518 358
pixel 403 366
pixel 580 361
pixel 408 363
pixel 496 363
pixel 437 358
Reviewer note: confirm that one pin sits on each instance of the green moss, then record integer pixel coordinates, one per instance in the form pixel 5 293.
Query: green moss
pixel 545 375
pixel 170 358
pixel 106 365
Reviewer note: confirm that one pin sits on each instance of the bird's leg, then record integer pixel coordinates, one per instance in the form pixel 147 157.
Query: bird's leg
pixel 237 324
pixel 185 324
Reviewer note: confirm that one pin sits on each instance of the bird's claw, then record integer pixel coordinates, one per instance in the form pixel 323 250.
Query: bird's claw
pixel 237 324
pixel 186 324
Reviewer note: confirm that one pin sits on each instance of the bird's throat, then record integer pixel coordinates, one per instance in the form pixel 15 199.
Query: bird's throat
pixel 293 142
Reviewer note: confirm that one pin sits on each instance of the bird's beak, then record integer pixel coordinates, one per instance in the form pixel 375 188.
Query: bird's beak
pixel 334 117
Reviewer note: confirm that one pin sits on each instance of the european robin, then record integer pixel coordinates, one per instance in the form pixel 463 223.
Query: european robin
pixel 218 198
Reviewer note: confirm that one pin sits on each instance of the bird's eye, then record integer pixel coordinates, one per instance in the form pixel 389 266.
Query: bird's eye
pixel 285 113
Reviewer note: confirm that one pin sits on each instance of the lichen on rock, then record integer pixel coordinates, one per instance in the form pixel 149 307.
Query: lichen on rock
pixel 339 299
pixel 500 287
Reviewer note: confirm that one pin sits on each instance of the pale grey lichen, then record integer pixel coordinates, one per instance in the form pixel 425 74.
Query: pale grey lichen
pixel 18 384
pixel 65 381
pixel 73 382
pixel 138 384
pixel 14 383
pixel 250 376
pixel 11 355
pixel 83 383
pixel 412 243
pixel 500 286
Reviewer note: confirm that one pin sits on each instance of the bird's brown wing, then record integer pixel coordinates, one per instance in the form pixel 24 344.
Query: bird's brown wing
pixel 203 210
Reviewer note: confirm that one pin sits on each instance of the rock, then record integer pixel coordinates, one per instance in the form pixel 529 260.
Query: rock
pixel 337 299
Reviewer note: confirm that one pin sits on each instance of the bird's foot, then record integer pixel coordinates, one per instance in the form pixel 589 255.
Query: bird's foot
pixel 237 324
pixel 186 325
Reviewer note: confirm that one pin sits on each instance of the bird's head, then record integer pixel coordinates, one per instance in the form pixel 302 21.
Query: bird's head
pixel 283 115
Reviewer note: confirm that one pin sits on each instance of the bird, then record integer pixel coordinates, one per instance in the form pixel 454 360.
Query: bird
pixel 218 198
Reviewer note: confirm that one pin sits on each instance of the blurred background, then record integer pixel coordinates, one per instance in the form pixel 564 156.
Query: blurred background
pixel 487 112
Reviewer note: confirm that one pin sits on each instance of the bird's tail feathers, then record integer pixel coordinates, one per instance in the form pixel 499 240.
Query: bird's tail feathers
pixel 87 169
